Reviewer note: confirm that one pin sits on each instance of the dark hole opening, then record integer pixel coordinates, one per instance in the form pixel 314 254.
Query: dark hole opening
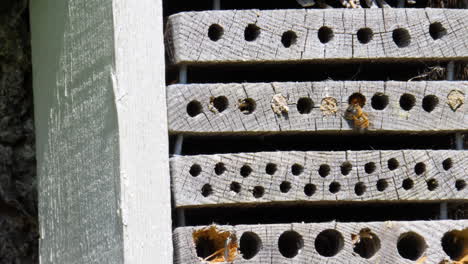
pixel 285 187
pixel 249 245
pixel 365 35
pixel 393 164
pixel 407 184
pixel 324 170
pixel 215 32
pixel 220 168
pixel 379 101
pixel 247 106
pixel 437 31
pixel 411 246
pixel 401 37
pixel 297 169
pixel 429 103
pixel 455 244
pixel 195 170
pixel 251 32
pixel 305 105
pixel 334 187
pixel 205 247
pixel 382 184
pixel 432 184
pixel 359 188
pixel 258 191
pixel 447 164
pixel 420 168
pixel 407 101
pixel 357 98
pixel 346 168
pixel 245 171
pixel 369 167
pixel 288 38
pixel 271 168
pixel 221 103
pixel 207 190
pixel 329 243
pixel 310 189
pixel 368 243
pixel 325 34
pixel 194 108
pixel 235 187
pixel 460 184
pixel 290 244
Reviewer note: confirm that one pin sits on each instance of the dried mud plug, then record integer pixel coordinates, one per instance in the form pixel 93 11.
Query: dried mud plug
pixel 455 99
pixel 215 246
pixel 329 106
pixel 279 104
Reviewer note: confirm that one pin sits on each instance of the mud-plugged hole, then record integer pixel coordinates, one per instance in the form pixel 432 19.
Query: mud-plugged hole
pixel 250 244
pixel 251 32
pixel 206 190
pixel 346 168
pixel 220 103
pixel 329 243
pixel 432 184
pixel 407 101
pixel 447 164
pixel 289 38
pixel 455 244
pixel 430 102
pixel 420 168
pixel 247 106
pixel 210 242
pixel 215 32
pixel 305 105
pixel 369 167
pixel 285 187
pixel 235 187
pixel 195 170
pixel 290 244
pixel 357 98
pixel 271 168
pixel 382 184
pixel 325 34
pixel 334 187
pixel 401 37
pixel 245 171
pixel 364 35
pixel 258 191
pixel 393 164
pixel 366 243
pixel 379 101
pixel 411 246
pixel 324 170
pixel 460 184
pixel 220 168
pixel 437 31
pixel 194 108
pixel 407 184
pixel 310 189
pixel 359 188
pixel 297 169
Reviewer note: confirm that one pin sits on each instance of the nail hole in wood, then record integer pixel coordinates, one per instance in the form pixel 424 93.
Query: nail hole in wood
pixel 366 243
pixel 305 105
pixel 285 187
pixel 195 170
pixel 432 184
pixel 271 168
pixel 220 168
pixel 310 189
pixel 324 170
pixel 235 187
pixel 334 187
pixel 346 168
pixel 382 184
pixel 455 244
pixel 250 245
pixel 430 102
pixel 207 190
pixel 365 35
pixel 393 164
pixel 411 246
pixel 359 188
pixel 369 167
pixel 251 32
pixel 379 101
pixel 245 171
pixel 290 244
pixel 289 38
pixel 325 34
pixel 329 243
pixel 437 31
pixel 419 168
pixel 401 37
pixel 215 32
pixel 407 101
pixel 407 184
pixel 447 164
pixel 258 191
pixel 460 184
pixel 297 169
pixel 194 108
pixel 247 106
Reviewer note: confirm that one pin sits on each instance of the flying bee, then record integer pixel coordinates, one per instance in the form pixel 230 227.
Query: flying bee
pixel 354 112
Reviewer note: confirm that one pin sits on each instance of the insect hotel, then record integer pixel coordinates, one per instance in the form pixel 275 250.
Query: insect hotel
pixel 251 132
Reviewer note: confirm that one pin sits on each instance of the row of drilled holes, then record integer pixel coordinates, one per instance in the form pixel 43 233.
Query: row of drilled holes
pixel 330 242
pixel 400 36
pixel 305 105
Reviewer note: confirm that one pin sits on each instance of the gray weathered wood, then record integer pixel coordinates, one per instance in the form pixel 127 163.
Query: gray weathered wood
pixel 188 186
pixel 102 146
pixel 392 118
pixel 388 234
pixel 188 40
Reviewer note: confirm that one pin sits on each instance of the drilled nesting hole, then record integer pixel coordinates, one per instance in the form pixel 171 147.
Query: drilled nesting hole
pixel 334 187
pixel 369 167
pixel 220 103
pixel 401 37
pixel 420 168
pixel 215 32
pixel 407 101
pixel 429 103
pixel 310 189
pixel 305 105
pixel 249 244
pixel 258 191
pixel 382 184
pixel 447 164
pixel 271 168
pixel 247 106
pixel 357 98
pixel 460 184
pixel 455 244
pixel 235 187
pixel 346 168
pixel 285 187
pixel 324 170
pixel 251 32
pixel 329 243
pixel 245 171
pixel 210 242
pixel 437 31
pixel 411 246
pixel 297 169
pixel 366 243
pixel 290 244
pixel 393 164
pixel 220 168
pixel 194 108
pixel 325 34
pixel 432 184
pixel 407 184
pixel 379 101
pixel 359 188
pixel 289 38
pixel 206 190
pixel 364 35
pixel 195 170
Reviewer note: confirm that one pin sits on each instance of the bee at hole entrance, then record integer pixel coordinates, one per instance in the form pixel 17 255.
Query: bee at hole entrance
pixel 355 113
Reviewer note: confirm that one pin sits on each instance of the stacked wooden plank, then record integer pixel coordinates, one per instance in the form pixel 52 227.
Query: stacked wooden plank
pixel 323 36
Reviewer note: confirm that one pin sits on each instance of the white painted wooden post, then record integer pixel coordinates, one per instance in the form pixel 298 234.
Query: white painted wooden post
pixel 102 143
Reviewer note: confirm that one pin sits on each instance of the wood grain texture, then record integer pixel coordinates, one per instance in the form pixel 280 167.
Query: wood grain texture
pixel 367 172
pixel 102 146
pixel 387 232
pixel 188 41
pixel 263 119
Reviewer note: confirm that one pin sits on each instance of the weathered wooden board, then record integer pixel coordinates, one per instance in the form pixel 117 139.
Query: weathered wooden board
pixel 301 35
pixel 379 242
pixel 216 108
pixel 101 133
pixel 263 177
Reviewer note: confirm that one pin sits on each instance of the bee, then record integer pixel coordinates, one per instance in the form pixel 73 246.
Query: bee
pixel 354 112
